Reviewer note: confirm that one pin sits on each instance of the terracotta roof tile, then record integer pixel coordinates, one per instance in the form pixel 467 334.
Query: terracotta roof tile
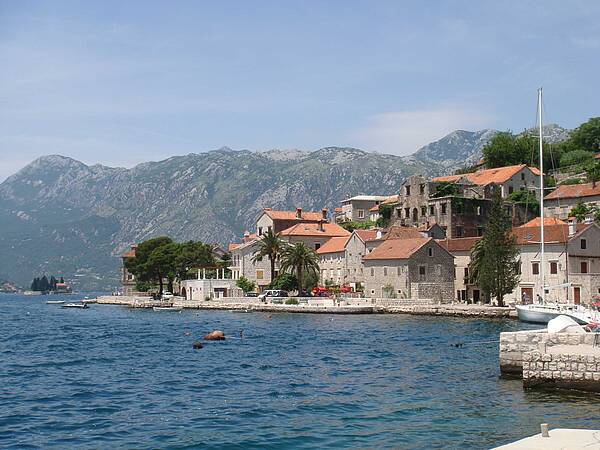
pixel 395 232
pixel 574 191
pixel 484 177
pixel 459 244
pixel 552 233
pixel 397 248
pixel 312 229
pixel 333 245
pixel 366 235
pixel 291 215
pixel 233 246
pixel 547 222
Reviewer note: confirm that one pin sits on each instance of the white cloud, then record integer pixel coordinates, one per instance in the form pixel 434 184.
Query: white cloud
pixel 404 132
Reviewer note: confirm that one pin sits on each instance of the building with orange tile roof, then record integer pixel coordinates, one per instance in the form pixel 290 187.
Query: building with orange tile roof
pixel 278 221
pixel 559 202
pixel 417 268
pixel 357 208
pixel 332 257
pixel 127 278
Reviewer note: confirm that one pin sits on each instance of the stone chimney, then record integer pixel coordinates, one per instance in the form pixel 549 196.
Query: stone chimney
pixel 572 227
pixel 324 214
pixel 321 228
pixel 298 213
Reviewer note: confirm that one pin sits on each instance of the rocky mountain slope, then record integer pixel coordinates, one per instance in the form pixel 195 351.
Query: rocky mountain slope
pixel 62 217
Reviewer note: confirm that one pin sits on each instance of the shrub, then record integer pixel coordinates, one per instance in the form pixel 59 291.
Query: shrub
pixel 285 281
pixel 245 284
pixel 571 181
pixel 574 157
pixel 291 301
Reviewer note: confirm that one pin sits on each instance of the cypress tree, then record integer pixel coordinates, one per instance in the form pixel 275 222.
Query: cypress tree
pixel 44 284
pixel 495 260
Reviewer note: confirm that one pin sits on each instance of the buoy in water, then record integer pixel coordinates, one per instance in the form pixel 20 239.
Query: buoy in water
pixel 197 345
pixel 216 335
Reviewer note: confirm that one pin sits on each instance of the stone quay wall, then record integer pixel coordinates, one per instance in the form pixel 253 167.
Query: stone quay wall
pixel 565 370
pixel 514 345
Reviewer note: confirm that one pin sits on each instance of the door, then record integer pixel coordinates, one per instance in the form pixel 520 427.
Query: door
pixel 476 296
pixel 577 295
pixel 526 295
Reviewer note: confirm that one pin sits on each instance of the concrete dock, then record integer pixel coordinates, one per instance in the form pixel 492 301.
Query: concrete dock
pixel 558 439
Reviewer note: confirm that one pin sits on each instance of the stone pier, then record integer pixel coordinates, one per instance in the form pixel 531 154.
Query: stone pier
pixel 565 360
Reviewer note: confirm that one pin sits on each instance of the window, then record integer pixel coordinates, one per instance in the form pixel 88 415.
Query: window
pixel 372 271
pixel 260 231
pixel 510 190
pixel 407 213
pixel 466 272
pixel 260 274
pixel 479 231
pixel 407 190
pixel 361 213
pixel 522 176
pixel 385 271
pixel 317 246
pixel 584 267
pixel 432 210
pixel 553 267
pixel 430 251
pixel 423 211
pixel 422 189
pixel 270 228
pixel 399 271
pixel 443 208
pixel 421 273
pixel 459 231
pixel 535 268
pixel 583 244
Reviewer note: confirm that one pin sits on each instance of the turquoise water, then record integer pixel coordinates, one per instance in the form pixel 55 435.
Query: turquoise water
pixel 114 377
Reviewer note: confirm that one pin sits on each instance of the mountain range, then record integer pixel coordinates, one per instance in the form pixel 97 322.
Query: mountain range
pixel 60 216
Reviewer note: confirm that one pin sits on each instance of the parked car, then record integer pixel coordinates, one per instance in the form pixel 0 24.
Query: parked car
pixel 274 295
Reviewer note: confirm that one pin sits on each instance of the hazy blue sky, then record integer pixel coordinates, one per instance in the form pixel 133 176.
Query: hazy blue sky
pixel 120 82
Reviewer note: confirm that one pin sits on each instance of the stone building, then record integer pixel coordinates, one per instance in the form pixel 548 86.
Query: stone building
pixel 571 261
pixel 310 228
pixel 417 268
pixel 559 202
pixel 356 209
pixel 332 261
pixel 281 220
pixel 460 204
pixel 460 248
pixel 127 278
pixel 359 244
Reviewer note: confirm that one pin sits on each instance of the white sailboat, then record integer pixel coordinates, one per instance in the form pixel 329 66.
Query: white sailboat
pixel 544 312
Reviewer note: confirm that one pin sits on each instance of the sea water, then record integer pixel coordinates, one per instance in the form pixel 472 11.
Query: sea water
pixel 111 376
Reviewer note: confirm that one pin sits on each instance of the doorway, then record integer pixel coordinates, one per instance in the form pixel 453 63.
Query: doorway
pixel 526 295
pixel 577 295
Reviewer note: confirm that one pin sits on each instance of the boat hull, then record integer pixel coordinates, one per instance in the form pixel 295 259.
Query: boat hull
pixel 535 316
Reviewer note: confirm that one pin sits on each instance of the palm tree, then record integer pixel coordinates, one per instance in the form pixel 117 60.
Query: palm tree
pixel 270 246
pixel 301 259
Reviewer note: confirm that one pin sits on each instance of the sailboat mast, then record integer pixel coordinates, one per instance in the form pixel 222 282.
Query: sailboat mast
pixel 542 261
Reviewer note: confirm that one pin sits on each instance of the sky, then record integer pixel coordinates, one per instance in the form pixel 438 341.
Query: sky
pixel 120 83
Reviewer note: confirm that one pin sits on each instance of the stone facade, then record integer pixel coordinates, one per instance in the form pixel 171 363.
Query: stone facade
pixel 357 209
pixel 332 266
pixel 426 273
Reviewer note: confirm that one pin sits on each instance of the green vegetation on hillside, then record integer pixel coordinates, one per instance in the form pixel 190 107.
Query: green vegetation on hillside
pixel 574 153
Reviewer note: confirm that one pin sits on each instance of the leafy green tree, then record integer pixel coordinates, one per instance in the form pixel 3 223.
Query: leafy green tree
pixel 581 210
pixel 385 215
pixel 495 259
pixel 300 259
pixel 310 281
pixel 587 136
pixel 245 284
pixel 525 198
pixel 445 189
pixel 285 281
pixel 192 255
pixel 161 263
pixel 150 262
pixel 352 225
pixel 574 157
pixel 270 246
pixel 592 172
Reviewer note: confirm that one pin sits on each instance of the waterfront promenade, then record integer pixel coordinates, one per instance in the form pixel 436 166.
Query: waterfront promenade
pixel 323 306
